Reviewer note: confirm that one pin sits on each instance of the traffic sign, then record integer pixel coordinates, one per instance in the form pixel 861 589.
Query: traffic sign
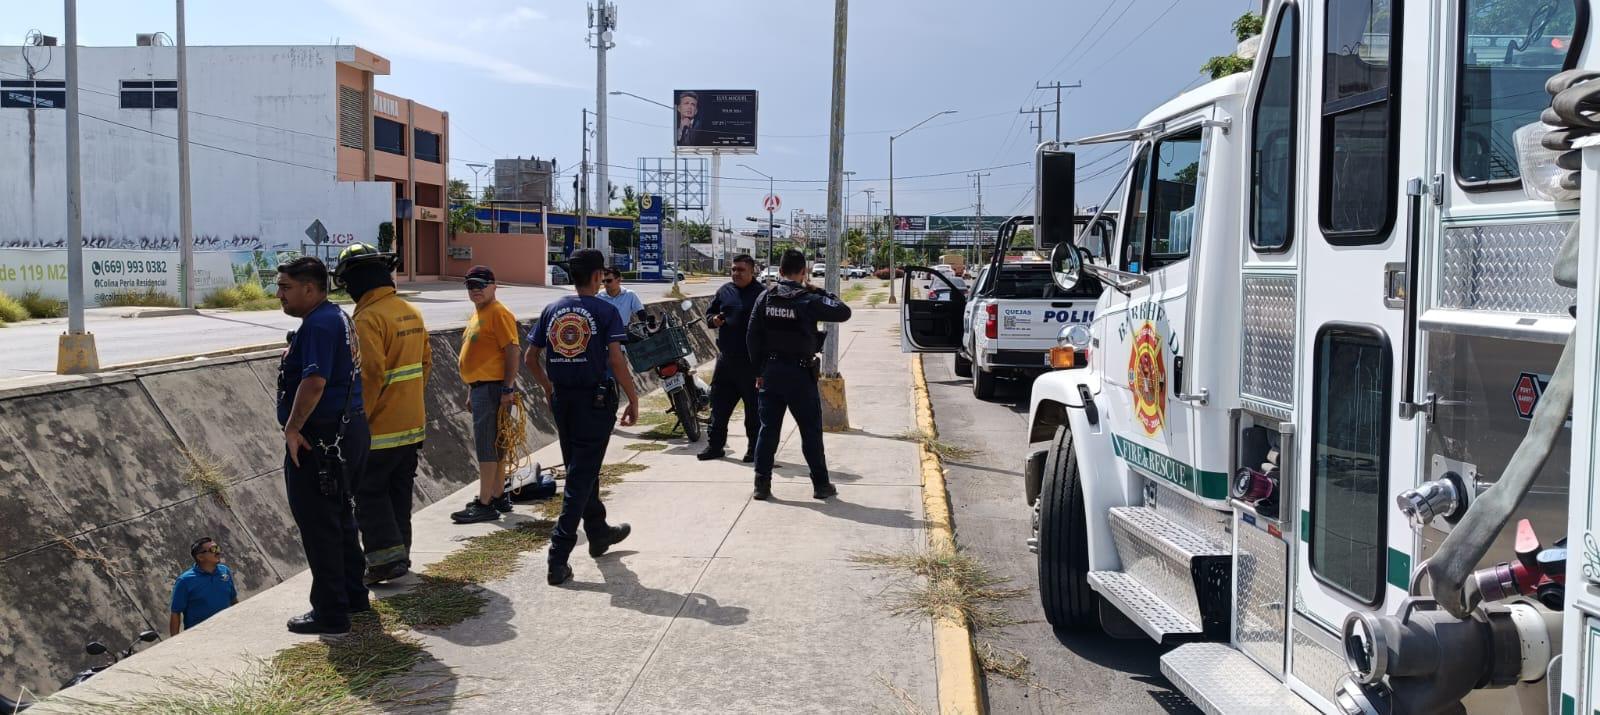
pixel 316 232
pixel 771 203
pixel 1526 395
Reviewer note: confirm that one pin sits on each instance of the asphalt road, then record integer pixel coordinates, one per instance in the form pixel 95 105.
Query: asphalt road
pixel 1071 672
pixel 29 348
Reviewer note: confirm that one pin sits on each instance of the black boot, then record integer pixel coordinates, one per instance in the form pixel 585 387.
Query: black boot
pixel 763 488
pixel 599 543
pixel 712 451
pixel 823 490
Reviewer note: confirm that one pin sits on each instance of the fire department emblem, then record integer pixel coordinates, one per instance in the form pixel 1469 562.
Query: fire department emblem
pixel 569 334
pixel 1147 379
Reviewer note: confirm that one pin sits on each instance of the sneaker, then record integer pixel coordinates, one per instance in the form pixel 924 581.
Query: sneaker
pixel 710 453
pixel 763 489
pixel 307 624
pixel 823 491
pixel 612 537
pixel 558 575
pixel 475 512
pixel 501 504
pixel 384 572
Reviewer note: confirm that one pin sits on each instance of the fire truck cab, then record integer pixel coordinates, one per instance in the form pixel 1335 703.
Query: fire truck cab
pixel 1328 323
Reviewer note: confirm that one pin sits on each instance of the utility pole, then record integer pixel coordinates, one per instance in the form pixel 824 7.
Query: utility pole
pixel 977 232
pixel 1038 123
pixel 602 20
pixel 185 204
pixel 583 186
pixel 1057 86
pixel 835 414
pixel 75 353
pixel 867 227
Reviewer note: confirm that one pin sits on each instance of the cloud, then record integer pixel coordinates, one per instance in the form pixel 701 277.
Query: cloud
pixel 395 33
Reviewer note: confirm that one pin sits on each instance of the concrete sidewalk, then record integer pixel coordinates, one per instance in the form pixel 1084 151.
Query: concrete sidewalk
pixel 716 603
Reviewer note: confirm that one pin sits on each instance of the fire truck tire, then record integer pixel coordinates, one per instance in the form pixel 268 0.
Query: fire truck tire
pixel 982 383
pixel 963 366
pixel 1064 590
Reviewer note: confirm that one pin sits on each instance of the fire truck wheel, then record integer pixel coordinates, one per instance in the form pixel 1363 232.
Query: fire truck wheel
pixel 1063 541
pixel 963 366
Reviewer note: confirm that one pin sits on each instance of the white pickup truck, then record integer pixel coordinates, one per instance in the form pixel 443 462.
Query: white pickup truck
pixel 1004 328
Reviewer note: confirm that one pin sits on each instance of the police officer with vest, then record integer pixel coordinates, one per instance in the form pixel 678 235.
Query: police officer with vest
pixel 784 342
pixel 325 440
pixel 395 362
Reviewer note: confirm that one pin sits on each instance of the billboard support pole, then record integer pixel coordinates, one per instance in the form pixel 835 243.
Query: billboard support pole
pixel 716 205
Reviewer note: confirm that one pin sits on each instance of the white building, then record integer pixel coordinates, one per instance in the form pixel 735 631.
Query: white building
pixel 264 129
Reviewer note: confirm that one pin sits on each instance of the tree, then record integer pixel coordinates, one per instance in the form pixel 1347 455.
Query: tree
pixel 386 237
pixel 1023 239
pixel 855 246
pixel 464 219
pixel 487 194
pixel 1245 27
pixel 459 191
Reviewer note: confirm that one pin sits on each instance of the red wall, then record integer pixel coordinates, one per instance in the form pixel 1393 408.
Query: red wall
pixel 514 257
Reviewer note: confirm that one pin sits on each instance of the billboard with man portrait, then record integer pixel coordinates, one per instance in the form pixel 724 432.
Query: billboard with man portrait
pixel 714 119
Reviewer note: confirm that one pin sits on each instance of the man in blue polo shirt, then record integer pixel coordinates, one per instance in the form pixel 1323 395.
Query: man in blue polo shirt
pixel 575 355
pixel 204 590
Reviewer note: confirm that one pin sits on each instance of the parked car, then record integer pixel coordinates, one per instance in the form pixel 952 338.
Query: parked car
pixel 857 272
pixel 938 290
pixel 768 274
pixel 819 269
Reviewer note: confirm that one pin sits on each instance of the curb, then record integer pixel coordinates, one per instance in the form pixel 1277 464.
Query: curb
pixel 960 684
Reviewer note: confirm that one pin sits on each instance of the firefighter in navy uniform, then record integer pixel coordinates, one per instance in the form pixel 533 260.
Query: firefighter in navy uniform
pixel 784 342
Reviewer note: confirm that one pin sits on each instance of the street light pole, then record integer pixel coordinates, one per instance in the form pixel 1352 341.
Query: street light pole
pixel 771 223
pixel 75 353
pixel 894 219
pixel 185 203
pixel 476 196
pixel 835 413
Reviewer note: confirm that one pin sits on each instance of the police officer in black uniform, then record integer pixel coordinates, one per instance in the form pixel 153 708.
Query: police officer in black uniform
pixel 326 439
pixel 784 342
pixel 735 378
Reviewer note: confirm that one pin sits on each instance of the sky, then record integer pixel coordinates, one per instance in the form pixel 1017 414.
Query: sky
pixel 514 75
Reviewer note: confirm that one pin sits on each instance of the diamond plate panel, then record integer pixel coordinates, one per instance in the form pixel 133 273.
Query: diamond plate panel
pixel 1262 595
pixel 1266 344
pixel 1317 666
pixel 1503 268
pixel 1192 515
pixel 1167 575
pixel 1140 604
pixel 1221 681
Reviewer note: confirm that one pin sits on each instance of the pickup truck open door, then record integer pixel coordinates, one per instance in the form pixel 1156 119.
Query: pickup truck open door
pixel 930 325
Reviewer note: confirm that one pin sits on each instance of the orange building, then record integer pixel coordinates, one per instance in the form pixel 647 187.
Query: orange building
pixel 383 137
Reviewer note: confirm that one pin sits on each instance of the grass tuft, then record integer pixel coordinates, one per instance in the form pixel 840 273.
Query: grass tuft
pixel 435 603
pixel 647 446
pixel 147 298
pixel 492 556
pixel 39 306
pixel 945 450
pixel 611 474
pixel 245 296
pixel 1006 664
pixel 952 586
pixel 206 474
pixel 11 310
pixel 663 431
pixel 876 298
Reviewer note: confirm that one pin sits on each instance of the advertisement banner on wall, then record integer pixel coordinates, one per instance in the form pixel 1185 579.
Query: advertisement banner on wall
pixel 107 273
pixel 720 119
pixel 650 210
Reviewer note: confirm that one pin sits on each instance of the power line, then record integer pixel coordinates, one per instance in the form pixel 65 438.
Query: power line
pixel 1073 48
pixel 1140 33
pixel 1103 35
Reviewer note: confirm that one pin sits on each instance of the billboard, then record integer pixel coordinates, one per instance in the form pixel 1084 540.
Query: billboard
pixel 706 119
pixel 650 215
pixel 910 223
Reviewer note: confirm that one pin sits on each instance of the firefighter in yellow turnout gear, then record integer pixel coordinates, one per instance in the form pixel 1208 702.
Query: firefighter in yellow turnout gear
pixel 395 362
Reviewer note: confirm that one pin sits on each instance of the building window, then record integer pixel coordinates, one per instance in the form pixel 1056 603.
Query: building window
pixel 1359 100
pixel 149 94
pixel 389 136
pixel 352 119
pixel 1272 179
pixel 1508 49
pixel 33 94
pixel 426 145
pixel 1350 460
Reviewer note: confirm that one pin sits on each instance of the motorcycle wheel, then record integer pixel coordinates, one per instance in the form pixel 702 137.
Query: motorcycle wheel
pixel 683 406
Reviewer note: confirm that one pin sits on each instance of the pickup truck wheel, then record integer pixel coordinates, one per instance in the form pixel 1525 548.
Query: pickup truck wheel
pixel 963 366
pixel 982 383
pixel 1062 535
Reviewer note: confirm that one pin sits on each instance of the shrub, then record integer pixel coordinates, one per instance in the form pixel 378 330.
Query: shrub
pixel 146 298
pixel 11 311
pixel 245 296
pixel 883 273
pixel 39 306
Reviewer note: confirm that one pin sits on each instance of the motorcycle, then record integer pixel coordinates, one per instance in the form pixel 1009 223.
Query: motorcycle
pixel 664 347
pixel 9 706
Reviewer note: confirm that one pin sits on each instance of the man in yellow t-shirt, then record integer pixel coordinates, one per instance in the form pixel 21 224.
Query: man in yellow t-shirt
pixel 490 353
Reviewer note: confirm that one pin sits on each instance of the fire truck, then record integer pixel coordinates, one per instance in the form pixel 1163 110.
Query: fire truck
pixel 1325 440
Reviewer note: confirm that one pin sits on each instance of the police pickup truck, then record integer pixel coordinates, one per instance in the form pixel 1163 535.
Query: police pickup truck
pixel 1005 327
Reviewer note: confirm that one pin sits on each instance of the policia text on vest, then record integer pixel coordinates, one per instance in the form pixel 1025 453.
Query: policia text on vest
pixel 783 342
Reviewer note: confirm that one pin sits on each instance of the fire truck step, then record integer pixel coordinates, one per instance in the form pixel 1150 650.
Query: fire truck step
pixel 1220 679
pixel 1157 619
pixel 1183 569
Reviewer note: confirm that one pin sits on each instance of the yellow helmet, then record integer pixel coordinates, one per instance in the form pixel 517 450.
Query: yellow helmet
pixel 361 254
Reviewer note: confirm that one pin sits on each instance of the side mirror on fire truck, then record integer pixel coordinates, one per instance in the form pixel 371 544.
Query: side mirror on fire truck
pixel 1066 265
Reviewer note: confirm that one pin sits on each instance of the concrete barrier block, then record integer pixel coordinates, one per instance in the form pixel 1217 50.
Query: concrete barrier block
pixel 53 600
pixel 107 450
pixel 150 552
pixel 31 512
pixel 262 507
pixel 219 411
pixel 266 370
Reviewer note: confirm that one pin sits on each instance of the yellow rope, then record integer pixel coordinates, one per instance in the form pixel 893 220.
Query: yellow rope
pixel 511 439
